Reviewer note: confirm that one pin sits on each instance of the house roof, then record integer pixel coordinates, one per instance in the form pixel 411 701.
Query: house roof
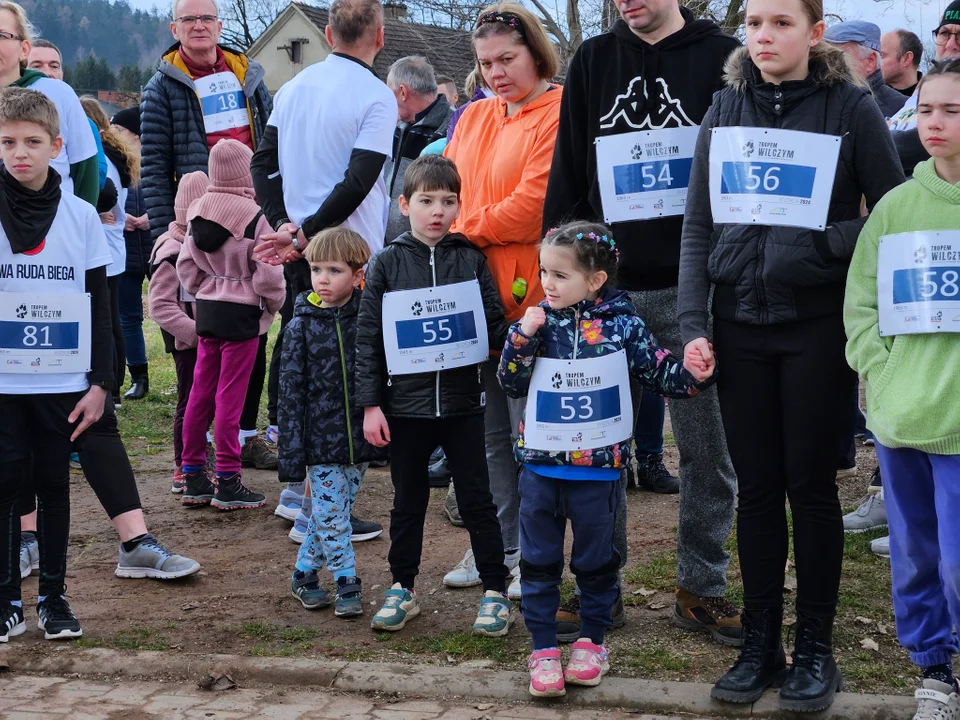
pixel 449 51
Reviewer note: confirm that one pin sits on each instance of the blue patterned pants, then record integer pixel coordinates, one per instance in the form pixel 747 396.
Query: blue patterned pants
pixel 333 489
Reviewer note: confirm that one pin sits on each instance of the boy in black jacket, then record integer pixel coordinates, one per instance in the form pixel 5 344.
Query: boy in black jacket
pixel 427 298
pixel 321 426
pixel 58 355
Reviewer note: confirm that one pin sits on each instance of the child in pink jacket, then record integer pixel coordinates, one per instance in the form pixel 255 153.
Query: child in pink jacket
pixel 172 308
pixel 236 300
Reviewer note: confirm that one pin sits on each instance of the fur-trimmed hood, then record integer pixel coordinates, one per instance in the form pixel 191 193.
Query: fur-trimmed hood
pixel 828 66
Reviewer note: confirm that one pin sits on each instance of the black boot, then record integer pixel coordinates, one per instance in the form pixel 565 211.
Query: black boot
pixel 139 383
pixel 814 676
pixel 761 663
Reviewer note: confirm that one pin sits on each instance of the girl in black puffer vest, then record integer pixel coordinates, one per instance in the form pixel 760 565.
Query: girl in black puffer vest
pixel 779 276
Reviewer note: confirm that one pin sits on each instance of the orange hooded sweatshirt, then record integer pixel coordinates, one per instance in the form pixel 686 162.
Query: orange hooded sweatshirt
pixel 504 164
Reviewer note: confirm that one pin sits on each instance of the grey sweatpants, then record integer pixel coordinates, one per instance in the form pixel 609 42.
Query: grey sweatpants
pixel 708 484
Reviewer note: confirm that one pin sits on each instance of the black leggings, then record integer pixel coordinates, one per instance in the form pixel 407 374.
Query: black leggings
pixel 105 464
pixel 35 426
pixel 120 368
pixel 785 400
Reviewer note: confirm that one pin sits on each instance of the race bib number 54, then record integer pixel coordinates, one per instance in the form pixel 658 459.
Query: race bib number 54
pixel 44 334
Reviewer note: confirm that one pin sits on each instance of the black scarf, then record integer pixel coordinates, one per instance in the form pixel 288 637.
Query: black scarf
pixel 26 215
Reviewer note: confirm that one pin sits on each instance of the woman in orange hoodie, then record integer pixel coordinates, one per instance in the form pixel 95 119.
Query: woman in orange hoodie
pixel 503 147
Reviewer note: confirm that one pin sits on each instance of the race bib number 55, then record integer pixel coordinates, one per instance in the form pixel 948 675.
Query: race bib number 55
pixel 44 334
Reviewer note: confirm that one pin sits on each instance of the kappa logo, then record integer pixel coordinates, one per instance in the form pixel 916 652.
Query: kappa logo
pixel 920 255
pixel 747 149
pixel 417 309
pixel 22 312
pixel 556 381
pixel 632 108
pixel 637 151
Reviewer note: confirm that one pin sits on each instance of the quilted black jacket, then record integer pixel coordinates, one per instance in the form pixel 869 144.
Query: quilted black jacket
pixel 172 133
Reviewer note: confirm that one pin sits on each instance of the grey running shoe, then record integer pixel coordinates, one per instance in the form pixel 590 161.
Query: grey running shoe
pixel 870 515
pixel 150 559
pixel 29 554
pixel 450 508
pixel 881 546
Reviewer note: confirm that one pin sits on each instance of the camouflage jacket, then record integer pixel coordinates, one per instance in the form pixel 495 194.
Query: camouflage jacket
pixel 318 420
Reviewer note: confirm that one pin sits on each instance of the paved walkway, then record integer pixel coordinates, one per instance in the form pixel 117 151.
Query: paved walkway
pixel 25 697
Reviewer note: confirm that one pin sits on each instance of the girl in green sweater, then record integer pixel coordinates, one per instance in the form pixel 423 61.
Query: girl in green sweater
pixel 902 316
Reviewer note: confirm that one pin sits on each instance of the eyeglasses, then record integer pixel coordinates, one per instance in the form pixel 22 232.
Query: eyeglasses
pixel 942 36
pixel 193 19
pixel 10 36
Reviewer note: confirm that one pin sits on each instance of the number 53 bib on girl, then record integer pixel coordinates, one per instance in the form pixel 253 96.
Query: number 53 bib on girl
pixel 918 282
pixel 46 334
pixel 578 404
pixel 772 177
pixel 434 328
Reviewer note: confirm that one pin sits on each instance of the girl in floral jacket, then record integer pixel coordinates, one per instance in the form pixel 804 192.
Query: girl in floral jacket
pixel 582 317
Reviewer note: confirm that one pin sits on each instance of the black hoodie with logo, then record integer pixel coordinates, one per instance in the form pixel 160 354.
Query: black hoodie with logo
pixel 604 95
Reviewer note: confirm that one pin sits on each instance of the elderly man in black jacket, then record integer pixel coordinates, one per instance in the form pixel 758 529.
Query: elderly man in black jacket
pixel 860 40
pixel 202 92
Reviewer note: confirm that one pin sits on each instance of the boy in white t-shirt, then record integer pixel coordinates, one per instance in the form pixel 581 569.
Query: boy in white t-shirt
pixel 54 371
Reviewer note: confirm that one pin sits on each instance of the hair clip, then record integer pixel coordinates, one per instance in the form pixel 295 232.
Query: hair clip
pixel 506 18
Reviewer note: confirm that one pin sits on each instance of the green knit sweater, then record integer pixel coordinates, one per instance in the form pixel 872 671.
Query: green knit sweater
pixel 913 381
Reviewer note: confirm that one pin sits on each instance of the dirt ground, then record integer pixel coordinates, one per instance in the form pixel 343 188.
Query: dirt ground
pixel 241 603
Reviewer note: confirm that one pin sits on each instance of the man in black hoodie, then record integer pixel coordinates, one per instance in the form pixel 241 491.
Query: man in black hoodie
pixel 630 88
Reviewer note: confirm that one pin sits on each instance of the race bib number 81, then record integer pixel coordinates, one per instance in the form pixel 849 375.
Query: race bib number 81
pixel 44 334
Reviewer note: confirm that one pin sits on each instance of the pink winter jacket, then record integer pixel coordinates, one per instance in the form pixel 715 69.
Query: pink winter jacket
pixel 217 266
pixel 163 295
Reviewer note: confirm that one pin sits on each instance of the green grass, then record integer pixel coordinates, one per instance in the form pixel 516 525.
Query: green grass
pixel 139 639
pixel 653 660
pixel 461 645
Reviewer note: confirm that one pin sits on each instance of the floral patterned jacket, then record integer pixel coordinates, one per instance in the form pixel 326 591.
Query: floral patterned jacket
pixel 590 329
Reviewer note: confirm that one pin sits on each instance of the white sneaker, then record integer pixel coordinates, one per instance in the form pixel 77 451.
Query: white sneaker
pixel 881 546
pixel 937 701
pixel 464 573
pixel 846 473
pixel 870 515
pixel 514 592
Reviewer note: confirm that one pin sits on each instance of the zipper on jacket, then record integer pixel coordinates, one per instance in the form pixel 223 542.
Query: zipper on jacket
pixel 433 272
pixel 576 339
pixel 762 242
pixel 346 385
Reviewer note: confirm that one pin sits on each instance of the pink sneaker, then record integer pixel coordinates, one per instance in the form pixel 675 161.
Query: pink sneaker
pixel 546 673
pixel 588 663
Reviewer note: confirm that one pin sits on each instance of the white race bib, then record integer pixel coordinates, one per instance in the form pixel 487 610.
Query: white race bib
pixel 772 177
pixel 434 328
pixel 222 101
pixel 186 297
pixel 578 404
pixel 47 334
pixel 645 174
pixel 918 282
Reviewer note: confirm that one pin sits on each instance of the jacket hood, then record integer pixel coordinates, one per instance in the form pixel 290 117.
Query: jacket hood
pixel 307 304
pixel 226 214
pixel 693 31
pixel 926 174
pixel 168 245
pixel 249 72
pixel 828 66
pixel 451 240
pixel 27 77
pixel 609 303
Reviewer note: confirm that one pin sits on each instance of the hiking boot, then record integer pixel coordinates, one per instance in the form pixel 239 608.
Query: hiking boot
pixel 363 530
pixel 814 677
pixel 197 489
pixel 57 620
pixel 178 481
pixel 306 588
pixel 11 622
pixel 495 617
pixel 399 606
pixel 451 509
pixel 439 473
pixel 870 515
pixel 546 674
pixel 568 618
pixel 653 475
pixel 761 663
pixel 349 600
pixel 29 554
pixel 712 615
pixel 232 494
pixel 257 454
pixel 588 664
pixel 150 559
pixel 881 546
pixel 289 505
pixel 935 701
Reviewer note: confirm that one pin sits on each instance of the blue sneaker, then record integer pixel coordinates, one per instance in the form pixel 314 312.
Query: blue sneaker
pixel 495 617
pixel 289 506
pixel 306 588
pixel 869 439
pixel 349 600
pixel 399 606
pixel 272 436
pixel 298 532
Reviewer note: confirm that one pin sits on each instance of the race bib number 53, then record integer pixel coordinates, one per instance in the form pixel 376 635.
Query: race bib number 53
pixel 44 334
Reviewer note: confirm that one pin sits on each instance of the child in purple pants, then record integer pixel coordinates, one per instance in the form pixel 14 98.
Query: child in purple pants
pixel 236 300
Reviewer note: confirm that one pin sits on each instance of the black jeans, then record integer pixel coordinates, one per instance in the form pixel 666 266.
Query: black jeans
pixel 462 441
pixel 105 465
pixel 251 404
pixel 35 426
pixel 785 399
pixel 297 279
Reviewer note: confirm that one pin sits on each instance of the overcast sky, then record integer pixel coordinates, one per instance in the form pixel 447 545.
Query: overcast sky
pixel 921 16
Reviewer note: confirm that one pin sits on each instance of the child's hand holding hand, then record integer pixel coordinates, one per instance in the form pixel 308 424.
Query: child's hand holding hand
pixel 533 320
pixel 375 428
pixel 698 359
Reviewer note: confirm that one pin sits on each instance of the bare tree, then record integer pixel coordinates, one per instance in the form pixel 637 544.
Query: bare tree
pixel 244 20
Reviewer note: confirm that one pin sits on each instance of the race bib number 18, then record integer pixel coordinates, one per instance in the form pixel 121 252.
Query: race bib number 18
pixel 222 101
pixel 772 177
